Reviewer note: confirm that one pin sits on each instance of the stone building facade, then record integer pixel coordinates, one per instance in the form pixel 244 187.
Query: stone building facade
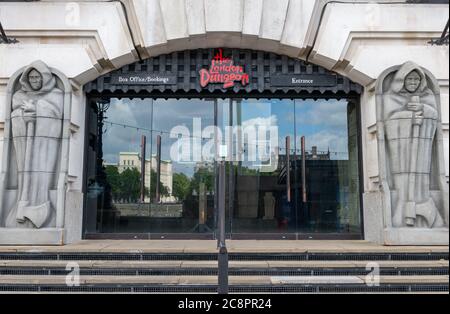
pixel 365 43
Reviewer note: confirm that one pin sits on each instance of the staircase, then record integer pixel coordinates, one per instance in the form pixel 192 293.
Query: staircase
pixel 262 272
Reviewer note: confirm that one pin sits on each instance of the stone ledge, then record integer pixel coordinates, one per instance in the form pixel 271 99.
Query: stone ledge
pixel 416 236
pixel 17 236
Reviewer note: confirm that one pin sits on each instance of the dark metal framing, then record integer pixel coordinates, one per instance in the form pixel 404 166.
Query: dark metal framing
pixel 351 92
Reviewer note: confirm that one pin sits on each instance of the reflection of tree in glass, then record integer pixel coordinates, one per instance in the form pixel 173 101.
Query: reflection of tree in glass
pixel 130 185
pixel 113 177
pixel 181 185
pixel 125 186
pixel 246 171
pixel 202 175
pixel 184 187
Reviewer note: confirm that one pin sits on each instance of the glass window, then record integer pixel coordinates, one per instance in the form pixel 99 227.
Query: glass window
pixel 330 131
pixel 114 185
pixel 187 171
pixel 273 186
pixel 262 199
pixel 124 194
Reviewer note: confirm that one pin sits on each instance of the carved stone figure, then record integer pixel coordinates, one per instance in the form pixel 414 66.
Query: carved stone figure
pixel 36 131
pixel 409 149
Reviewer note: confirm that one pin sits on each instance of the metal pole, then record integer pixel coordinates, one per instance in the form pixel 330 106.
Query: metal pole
pixel 143 145
pixel 223 253
pixel 288 168
pixel 216 173
pixel 158 168
pixel 231 170
pixel 304 199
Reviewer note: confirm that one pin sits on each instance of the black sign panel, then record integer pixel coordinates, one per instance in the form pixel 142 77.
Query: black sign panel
pixel 143 79
pixel 306 80
pixel 180 72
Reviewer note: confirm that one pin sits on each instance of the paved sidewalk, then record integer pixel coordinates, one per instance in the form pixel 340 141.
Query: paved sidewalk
pixel 209 246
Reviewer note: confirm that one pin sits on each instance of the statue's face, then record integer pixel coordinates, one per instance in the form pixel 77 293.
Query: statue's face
pixel 412 81
pixel 35 79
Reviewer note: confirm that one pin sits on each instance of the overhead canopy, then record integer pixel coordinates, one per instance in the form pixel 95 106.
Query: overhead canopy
pixel 179 72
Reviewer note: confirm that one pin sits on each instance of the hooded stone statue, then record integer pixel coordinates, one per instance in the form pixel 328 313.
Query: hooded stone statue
pixel 410 118
pixel 36 131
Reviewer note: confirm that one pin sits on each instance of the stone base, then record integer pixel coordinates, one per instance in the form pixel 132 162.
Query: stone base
pixel 373 217
pixel 18 236
pixel 416 236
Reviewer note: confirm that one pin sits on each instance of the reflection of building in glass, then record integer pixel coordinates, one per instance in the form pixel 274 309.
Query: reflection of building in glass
pixel 331 188
pixel 132 160
pixel 314 154
pixel 204 165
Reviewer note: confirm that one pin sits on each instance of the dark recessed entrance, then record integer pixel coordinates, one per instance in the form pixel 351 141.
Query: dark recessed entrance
pixel 289 133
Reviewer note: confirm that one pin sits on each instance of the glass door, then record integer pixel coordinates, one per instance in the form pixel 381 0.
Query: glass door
pixel 327 167
pixel 261 143
pixel 292 167
pixel 182 156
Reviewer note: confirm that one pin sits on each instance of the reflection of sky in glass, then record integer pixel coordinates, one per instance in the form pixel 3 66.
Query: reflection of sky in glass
pixel 135 115
pixel 269 112
pixel 171 113
pixel 322 122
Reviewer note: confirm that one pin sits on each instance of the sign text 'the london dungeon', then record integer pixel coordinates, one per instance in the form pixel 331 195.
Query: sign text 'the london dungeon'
pixel 223 70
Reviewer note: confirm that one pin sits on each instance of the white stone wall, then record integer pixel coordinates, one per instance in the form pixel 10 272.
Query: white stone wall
pixel 85 39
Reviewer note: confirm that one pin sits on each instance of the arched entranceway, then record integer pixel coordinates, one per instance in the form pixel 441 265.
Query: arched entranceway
pixel 288 130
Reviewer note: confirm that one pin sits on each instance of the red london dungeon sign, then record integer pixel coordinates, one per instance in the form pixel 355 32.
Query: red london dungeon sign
pixel 223 70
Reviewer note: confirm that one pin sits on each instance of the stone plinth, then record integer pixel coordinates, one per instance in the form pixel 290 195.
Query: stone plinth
pixel 416 236
pixel 25 236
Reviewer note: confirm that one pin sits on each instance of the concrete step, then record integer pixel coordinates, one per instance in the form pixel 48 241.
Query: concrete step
pixel 307 272
pixel 319 256
pixel 213 264
pixel 311 271
pixel 207 268
pixel 234 246
pixel 212 280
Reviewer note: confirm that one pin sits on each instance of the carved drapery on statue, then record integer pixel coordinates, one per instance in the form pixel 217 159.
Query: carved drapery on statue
pixel 35 164
pixel 410 148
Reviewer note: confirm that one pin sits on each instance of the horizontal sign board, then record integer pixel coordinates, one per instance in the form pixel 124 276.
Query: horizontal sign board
pixel 306 80
pixel 143 79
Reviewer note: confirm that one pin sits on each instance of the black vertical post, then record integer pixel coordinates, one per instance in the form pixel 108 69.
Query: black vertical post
pixel 288 168
pixel 100 174
pixel 216 172
pixel 303 170
pixel 223 253
pixel 158 168
pixel 231 170
pixel 143 145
